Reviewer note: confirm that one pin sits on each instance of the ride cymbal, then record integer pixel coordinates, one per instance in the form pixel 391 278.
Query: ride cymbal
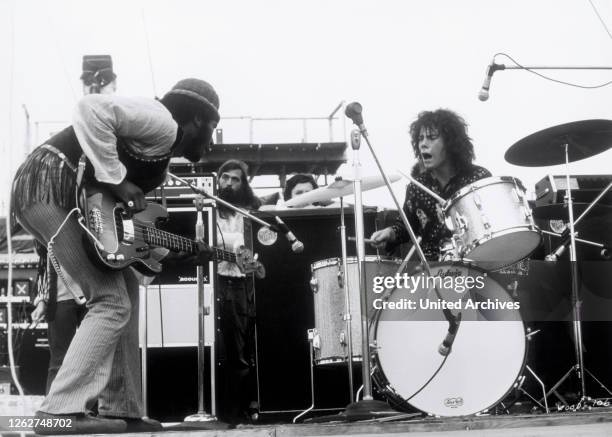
pixel 585 138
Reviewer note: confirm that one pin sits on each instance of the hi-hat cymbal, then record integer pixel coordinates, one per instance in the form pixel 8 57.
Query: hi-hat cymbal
pixel 341 188
pixel 585 138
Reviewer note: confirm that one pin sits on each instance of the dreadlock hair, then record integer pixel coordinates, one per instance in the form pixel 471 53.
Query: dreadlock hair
pixel 453 130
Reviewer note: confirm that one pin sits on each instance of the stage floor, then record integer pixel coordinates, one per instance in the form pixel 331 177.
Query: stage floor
pixel 594 423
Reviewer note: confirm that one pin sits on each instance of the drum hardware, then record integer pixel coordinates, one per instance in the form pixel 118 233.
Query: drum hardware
pixel 311 334
pixel 314 284
pixel 553 256
pixel 529 337
pixel 541 384
pixel 557 145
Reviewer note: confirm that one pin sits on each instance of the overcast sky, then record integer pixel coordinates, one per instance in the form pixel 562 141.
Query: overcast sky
pixel 301 58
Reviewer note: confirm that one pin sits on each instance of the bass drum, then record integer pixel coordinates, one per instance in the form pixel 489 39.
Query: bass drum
pixel 487 355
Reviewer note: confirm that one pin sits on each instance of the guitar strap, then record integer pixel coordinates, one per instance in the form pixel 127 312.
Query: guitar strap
pixel 79 179
pixel 248 233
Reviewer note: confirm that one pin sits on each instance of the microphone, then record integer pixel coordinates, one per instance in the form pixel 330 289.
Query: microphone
pixel 483 94
pixel 353 111
pixel 296 245
pixel 556 254
pixel 447 344
pixel 559 251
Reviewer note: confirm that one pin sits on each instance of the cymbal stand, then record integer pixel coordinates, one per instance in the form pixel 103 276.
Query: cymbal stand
pixel 575 276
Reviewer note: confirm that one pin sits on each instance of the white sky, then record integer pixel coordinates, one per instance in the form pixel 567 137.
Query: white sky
pixel 301 58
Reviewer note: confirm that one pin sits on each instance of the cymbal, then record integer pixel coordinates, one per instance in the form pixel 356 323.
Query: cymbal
pixel 341 188
pixel 585 138
pixel 560 211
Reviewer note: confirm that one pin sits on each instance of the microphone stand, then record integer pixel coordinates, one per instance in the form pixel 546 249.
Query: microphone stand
pixel 368 408
pixel 144 353
pixel 202 416
pixel 220 201
pixel 483 95
pixel 497 67
pixel 347 300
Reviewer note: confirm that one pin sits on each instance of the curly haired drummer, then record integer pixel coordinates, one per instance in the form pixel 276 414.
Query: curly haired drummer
pixel 445 155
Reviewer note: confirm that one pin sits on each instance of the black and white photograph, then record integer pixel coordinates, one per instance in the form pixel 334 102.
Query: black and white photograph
pixel 305 218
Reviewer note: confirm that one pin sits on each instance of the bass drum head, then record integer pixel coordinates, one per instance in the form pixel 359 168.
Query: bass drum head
pixel 487 356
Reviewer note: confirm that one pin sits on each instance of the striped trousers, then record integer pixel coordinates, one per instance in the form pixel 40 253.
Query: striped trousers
pixel 102 362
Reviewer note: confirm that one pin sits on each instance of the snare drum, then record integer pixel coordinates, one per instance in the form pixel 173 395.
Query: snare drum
pixel 486 359
pixel 492 223
pixel 331 339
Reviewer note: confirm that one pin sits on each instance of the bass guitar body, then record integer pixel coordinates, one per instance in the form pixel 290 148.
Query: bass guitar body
pixel 119 239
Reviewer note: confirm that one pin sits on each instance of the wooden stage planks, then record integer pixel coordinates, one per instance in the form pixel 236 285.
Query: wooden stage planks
pixel 596 423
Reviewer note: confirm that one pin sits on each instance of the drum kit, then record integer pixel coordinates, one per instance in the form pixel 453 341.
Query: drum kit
pixel 483 356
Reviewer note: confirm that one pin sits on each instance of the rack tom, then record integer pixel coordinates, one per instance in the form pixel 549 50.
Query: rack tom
pixel 491 222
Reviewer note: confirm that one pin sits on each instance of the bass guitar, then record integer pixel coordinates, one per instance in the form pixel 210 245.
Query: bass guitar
pixel 117 239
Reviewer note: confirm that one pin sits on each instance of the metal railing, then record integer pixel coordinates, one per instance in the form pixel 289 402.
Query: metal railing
pixel 46 126
pixel 304 121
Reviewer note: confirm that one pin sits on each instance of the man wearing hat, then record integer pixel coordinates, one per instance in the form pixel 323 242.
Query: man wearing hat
pixel 98 76
pixel 128 143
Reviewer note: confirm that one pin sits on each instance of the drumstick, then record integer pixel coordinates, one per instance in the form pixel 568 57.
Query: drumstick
pixel 365 240
pixel 440 200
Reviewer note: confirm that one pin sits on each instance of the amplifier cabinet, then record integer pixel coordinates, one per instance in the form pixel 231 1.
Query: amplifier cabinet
pixel 585 188
pixel 172 297
pixel 179 193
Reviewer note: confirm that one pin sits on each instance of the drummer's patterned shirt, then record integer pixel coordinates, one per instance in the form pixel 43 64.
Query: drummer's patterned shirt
pixel 425 214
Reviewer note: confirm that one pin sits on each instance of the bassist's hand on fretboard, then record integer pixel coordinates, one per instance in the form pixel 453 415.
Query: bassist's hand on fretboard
pixel 204 255
pixel 201 258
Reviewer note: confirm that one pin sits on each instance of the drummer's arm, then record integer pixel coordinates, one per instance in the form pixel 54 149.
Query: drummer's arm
pixel 397 233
